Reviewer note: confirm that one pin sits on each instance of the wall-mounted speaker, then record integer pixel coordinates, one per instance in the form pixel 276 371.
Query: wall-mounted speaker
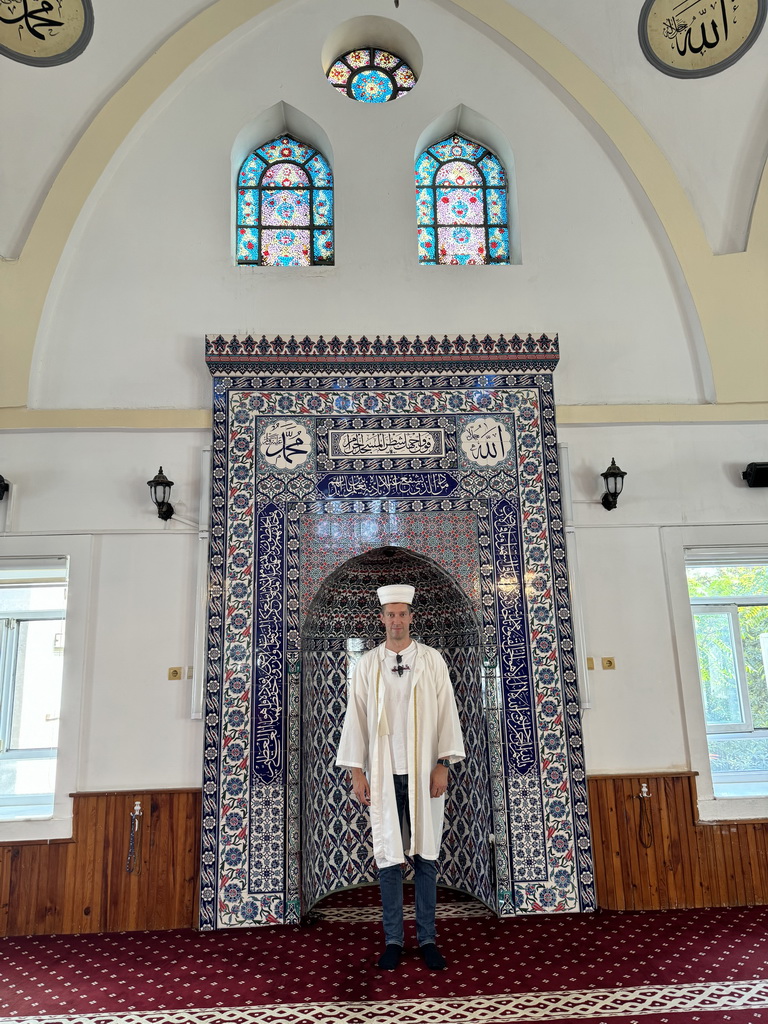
pixel 756 474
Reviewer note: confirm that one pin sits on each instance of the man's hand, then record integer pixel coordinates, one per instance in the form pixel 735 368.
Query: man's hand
pixel 438 781
pixel 360 787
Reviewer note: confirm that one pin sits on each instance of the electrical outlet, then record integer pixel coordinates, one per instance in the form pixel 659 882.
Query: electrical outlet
pixel 174 673
pixel 609 663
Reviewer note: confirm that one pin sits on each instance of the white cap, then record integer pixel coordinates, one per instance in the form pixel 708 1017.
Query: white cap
pixel 396 594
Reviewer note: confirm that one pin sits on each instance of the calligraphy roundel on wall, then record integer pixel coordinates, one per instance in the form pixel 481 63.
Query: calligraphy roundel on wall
pixel 45 33
pixel 486 442
pixel 285 444
pixel 690 40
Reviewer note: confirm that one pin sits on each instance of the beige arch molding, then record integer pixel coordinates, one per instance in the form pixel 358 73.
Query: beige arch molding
pixel 729 291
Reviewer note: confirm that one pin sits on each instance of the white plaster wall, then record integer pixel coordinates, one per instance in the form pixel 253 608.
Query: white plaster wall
pixel 51 107
pixel 93 481
pixel 136 727
pixel 710 129
pixel 635 720
pixel 677 475
pixel 149 267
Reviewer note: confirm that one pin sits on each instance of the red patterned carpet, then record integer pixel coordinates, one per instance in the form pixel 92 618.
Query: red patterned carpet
pixel 673 967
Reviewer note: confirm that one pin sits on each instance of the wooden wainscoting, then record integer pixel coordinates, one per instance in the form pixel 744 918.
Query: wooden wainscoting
pixel 652 854
pixel 81 884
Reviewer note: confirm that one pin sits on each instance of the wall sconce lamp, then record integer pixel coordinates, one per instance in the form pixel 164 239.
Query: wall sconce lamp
pixel 160 491
pixel 614 484
pixel 756 474
pixel 4 487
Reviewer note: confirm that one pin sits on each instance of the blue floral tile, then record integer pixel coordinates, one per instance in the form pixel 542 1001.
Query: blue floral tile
pixel 339 464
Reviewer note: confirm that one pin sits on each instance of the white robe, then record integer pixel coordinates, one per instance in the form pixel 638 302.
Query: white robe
pixel 433 732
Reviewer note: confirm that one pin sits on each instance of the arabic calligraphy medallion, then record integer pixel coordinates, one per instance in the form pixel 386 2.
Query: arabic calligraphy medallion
pixel 45 33
pixel 285 444
pixel 690 40
pixel 486 442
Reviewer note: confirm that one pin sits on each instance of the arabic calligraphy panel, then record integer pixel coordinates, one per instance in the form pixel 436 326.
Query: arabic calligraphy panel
pixel 693 39
pixel 486 442
pixel 387 485
pixel 375 444
pixel 285 444
pixel 387 442
pixel 46 34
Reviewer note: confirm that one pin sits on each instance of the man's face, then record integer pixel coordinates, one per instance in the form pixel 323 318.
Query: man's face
pixel 397 620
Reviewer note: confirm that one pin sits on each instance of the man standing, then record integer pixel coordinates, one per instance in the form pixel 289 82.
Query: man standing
pixel 402 728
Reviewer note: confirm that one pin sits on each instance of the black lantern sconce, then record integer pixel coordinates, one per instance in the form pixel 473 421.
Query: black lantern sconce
pixel 614 484
pixel 160 491
pixel 4 487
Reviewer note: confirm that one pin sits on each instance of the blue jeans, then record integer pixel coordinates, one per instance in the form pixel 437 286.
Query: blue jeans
pixel 391 885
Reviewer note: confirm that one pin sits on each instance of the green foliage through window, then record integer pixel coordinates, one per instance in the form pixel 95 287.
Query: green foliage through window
pixel 730 613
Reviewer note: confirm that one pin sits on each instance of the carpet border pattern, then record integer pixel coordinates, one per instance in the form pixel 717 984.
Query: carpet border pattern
pixel 494 1009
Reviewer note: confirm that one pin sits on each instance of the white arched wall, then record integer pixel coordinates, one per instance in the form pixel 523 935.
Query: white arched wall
pixel 712 130
pixel 728 293
pixel 159 226
pixel 372 30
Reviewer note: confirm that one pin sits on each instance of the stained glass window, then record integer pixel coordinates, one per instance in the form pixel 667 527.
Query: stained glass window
pixel 371 76
pixel 461 204
pixel 285 206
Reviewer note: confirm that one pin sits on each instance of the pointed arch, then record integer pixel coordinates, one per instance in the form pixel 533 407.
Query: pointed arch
pixel 284 203
pixel 461 203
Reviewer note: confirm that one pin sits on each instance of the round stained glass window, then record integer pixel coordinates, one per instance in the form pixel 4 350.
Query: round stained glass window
pixel 369 75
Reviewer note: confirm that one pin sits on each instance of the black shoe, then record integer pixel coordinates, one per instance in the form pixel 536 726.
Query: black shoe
pixel 390 958
pixel 432 957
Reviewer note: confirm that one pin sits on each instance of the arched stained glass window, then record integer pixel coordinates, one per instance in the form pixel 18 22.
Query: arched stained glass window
pixel 371 76
pixel 285 206
pixel 461 204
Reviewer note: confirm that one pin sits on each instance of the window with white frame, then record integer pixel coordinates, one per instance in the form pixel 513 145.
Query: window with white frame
pixel 33 598
pixel 729 606
pixel 45 557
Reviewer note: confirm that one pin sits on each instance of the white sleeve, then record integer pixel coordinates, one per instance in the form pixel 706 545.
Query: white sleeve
pixel 450 744
pixel 353 746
